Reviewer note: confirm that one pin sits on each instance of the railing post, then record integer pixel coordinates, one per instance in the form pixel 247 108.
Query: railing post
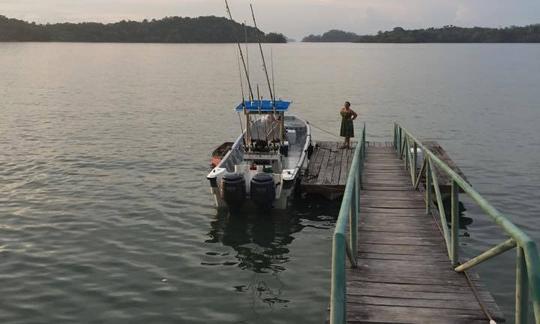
pixel 406 149
pixel 395 136
pixel 415 161
pixel 353 220
pixel 455 223
pixel 338 289
pixel 522 288
pixel 428 186
pixel 399 143
pixel 364 142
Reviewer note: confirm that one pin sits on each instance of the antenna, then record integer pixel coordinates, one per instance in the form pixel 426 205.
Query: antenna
pixel 241 53
pixel 262 55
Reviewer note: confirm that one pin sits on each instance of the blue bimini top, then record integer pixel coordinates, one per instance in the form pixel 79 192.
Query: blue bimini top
pixel 264 106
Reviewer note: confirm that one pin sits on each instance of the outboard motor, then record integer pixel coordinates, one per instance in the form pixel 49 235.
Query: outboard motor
pixel 233 189
pixel 263 190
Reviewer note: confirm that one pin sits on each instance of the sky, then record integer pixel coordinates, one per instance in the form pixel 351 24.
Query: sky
pixel 294 18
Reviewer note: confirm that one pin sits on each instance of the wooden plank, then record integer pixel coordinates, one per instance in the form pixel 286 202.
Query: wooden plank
pixel 337 167
pixel 411 257
pixel 398 238
pixel 406 287
pixel 390 179
pixel 386 186
pixel 428 300
pixel 397 194
pixel 314 166
pixel 350 156
pixel 327 152
pixel 329 171
pixel 400 314
pixel 393 204
pixel 345 166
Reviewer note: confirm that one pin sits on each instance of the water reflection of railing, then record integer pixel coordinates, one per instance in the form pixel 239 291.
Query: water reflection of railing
pixel 528 260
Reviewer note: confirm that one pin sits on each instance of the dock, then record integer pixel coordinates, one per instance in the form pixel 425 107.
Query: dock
pixel 396 248
pixel 329 166
pixel 403 273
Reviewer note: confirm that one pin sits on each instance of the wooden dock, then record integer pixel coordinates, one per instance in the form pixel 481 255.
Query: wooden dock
pixel 329 166
pixel 403 273
pixel 328 170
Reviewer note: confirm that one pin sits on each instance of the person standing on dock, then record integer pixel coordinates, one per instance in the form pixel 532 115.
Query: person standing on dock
pixel 347 127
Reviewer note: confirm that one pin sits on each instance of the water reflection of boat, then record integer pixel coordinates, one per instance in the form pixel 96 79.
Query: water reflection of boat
pixel 260 242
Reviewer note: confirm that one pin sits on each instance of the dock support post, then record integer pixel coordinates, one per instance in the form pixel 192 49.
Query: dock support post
pixel 522 288
pixel 428 186
pixel 455 223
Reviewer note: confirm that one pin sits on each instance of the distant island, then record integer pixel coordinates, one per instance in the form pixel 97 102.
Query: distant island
pixel 208 29
pixel 446 34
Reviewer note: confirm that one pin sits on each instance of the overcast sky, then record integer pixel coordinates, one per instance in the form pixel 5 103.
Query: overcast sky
pixel 295 18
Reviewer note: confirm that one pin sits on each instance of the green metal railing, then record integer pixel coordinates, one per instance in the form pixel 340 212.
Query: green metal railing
pixel 347 219
pixel 527 261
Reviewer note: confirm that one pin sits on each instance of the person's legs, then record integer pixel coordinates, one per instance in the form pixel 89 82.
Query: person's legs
pixel 347 142
pixel 344 145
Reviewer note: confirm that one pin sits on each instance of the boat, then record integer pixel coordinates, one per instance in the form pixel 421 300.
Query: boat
pixel 264 165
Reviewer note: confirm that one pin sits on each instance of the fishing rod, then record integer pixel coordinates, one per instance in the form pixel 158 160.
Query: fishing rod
pixel 262 56
pixel 246 45
pixel 241 53
pixel 243 102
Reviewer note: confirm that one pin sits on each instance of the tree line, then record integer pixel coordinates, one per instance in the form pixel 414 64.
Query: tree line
pixel 208 29
pixel 446 34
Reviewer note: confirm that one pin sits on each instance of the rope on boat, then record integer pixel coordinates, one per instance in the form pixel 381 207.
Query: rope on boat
pixel 324 130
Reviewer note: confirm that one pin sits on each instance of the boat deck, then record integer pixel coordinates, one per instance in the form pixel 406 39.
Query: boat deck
pixel 404 274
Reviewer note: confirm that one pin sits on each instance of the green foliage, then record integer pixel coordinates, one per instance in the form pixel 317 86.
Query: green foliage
pixel 333 35
pixel 276 38
pixel 446 34
pixel 167 30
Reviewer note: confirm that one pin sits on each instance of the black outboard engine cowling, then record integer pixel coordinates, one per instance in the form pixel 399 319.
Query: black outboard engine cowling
pixel 263 190
pixel 233 189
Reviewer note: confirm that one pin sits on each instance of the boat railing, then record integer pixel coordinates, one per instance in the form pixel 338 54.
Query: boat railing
pixel 527 285
pixel 347 223
pixel 234 156
pixel 304 153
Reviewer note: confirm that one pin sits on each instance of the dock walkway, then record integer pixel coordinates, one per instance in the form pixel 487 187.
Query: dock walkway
pixel 403 273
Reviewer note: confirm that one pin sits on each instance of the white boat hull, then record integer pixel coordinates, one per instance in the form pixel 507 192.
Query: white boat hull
pixel 285 179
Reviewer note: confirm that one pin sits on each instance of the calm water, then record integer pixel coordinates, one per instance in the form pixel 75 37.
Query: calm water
pixel 105 215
